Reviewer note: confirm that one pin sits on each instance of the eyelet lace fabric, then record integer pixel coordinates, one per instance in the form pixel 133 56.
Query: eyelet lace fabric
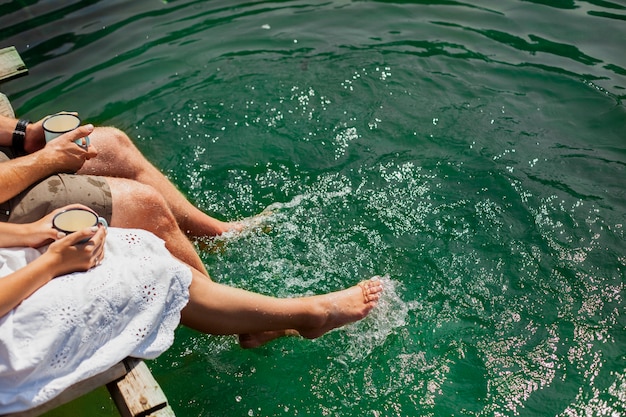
pixel 81 324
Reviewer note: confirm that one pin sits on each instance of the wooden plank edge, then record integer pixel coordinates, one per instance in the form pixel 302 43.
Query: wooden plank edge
pixel 11 64
pixel 137 394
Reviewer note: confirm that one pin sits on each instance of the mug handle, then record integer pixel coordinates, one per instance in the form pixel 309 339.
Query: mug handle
pixel 79 142
pixel 103 222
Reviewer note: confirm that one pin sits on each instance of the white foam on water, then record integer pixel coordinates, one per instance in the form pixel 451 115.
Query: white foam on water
pixel 388 316
pixel 343 139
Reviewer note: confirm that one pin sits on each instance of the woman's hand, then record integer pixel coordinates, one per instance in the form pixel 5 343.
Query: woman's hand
pixel 71 253
pixel 41 232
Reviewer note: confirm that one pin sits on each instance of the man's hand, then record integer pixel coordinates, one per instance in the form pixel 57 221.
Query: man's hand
pixel 35 137
pixel 65 154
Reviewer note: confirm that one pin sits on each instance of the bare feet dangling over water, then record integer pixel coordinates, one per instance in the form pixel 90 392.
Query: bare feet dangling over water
pixel 343 307
pixel 327 312
pixel 256 222
pixel 254 340
pixel 222 232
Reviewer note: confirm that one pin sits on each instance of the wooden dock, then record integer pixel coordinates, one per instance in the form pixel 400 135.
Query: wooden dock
pixel 11 64
pixel 131 385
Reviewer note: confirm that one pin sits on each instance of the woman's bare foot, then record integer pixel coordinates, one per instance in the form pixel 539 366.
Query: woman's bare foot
pixel 329 312
pixel 343 307
pixel 254 340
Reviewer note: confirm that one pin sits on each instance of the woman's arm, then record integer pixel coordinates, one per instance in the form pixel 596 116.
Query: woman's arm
pixel 22 283
pixel 64 256
pixel 19 235
pixel 35 234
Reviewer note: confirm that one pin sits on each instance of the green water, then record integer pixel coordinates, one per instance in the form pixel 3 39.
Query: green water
pixel 474 152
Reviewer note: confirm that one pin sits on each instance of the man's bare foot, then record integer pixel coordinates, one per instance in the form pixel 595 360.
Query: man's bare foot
pixel 257 222
pixel 219 228
pixel 343 307
pixel 222 232
pixel 254 340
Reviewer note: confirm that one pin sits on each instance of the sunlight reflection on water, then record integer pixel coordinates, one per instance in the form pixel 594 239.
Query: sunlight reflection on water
pixel 471 152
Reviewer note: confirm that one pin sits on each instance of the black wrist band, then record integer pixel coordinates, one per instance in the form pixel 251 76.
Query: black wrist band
pixel 19 134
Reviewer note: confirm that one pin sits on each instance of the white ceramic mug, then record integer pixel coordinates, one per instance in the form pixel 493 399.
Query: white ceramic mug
pixel 60 123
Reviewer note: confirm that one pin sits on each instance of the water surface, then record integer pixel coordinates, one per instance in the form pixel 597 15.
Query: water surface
pixel 474 152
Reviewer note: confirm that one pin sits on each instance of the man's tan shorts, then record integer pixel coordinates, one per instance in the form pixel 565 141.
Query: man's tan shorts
pixel 54 192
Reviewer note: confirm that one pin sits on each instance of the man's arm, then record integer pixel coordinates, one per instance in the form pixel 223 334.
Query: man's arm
pixel 18 174
pixel 7 125
pixel 60 155
pixel 34 139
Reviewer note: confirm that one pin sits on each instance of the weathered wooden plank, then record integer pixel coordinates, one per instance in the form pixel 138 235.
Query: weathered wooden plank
pixel 138 394
pixel 163 412
pixel 75 391
pixel 11 64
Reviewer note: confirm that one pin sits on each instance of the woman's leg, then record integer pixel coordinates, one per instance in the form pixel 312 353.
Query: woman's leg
pixel 222 310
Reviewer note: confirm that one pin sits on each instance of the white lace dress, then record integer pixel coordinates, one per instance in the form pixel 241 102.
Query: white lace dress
pixel 81 324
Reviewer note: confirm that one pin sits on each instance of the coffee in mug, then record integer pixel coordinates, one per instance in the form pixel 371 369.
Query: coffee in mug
pixel 72 220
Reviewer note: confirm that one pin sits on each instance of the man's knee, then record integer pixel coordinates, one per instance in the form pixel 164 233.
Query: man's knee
pixel 113 136
pixel 140 205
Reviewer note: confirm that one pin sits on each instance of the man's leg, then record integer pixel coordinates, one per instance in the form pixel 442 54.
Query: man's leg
pixel 140 206
pixel 119 157
pixel 123 202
